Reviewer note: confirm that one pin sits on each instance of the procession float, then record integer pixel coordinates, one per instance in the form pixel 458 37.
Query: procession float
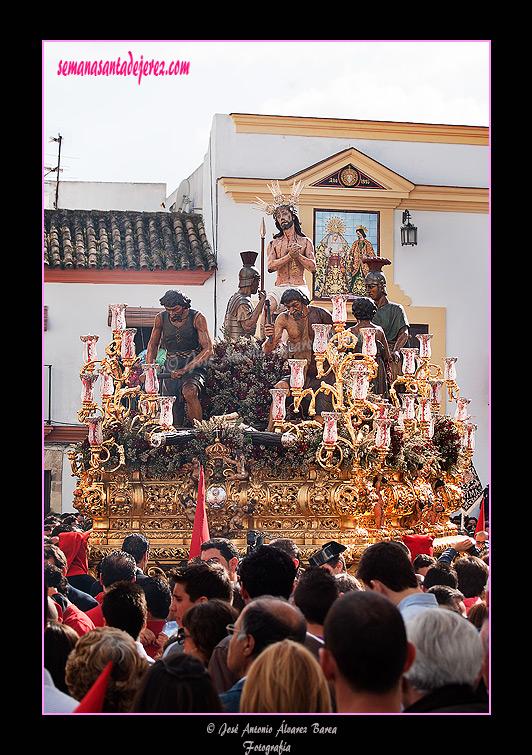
pixel 373 468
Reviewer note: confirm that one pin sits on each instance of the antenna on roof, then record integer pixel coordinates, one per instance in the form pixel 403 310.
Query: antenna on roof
pixel 57 170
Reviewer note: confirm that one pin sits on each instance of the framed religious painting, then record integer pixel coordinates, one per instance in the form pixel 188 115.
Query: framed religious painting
pixel 342 239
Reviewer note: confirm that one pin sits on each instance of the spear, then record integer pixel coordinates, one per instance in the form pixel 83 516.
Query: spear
pixel 262 237
pixel 262 281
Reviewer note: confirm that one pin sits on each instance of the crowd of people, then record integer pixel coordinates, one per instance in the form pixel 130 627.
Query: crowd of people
pixel 407 632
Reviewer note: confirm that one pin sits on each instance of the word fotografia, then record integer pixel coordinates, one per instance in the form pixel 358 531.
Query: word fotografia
pixel 279 748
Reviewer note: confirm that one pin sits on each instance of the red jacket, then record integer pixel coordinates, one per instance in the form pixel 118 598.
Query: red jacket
pixel 95 614
pixel 74 617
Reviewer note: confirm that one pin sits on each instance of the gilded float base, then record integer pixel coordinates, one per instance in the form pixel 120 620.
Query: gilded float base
pixel 311 510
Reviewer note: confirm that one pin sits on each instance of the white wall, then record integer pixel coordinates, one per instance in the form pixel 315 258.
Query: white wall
pixel 101 195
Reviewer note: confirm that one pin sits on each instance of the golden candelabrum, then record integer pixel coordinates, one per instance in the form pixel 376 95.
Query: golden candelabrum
pixel 346 377
pixel 153 412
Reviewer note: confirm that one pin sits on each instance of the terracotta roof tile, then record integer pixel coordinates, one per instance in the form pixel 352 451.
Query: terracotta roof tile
pixel 83 239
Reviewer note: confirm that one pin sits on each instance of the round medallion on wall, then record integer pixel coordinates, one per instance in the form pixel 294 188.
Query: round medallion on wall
pixel 349 176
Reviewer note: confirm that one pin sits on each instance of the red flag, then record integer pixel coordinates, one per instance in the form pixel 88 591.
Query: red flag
pixel 200 532
pixel 480 521
pixel 92 702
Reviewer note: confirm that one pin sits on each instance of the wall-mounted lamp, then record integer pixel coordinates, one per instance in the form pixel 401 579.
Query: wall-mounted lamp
pixel 408 231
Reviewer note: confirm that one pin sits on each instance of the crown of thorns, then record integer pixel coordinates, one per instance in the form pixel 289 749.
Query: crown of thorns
pixel 279 199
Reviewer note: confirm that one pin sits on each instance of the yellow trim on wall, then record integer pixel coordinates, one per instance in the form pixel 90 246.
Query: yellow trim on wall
pixel 427 198
pixel 357 129
pixel 398 193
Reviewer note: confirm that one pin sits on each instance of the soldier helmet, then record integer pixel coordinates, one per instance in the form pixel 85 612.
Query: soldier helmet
pixel 375 278
pixel 248 274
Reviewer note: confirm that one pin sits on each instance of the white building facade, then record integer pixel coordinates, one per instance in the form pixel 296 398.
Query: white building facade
pixel 360 172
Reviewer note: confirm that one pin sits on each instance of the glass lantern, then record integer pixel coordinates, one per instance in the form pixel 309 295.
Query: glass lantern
pixel 424 345
pixel 330 427
pixel 279 403
pixel 369 345
pixel 89 350
pixel 118 317
pixel 151 384
pixel 87 391
pixel 297 373
pixel 321 337
pixel 461 409
pixel 127 348
pixel 360 381
pixel 339 308
pixel 409 360
pixel 166 413
pixel 449 369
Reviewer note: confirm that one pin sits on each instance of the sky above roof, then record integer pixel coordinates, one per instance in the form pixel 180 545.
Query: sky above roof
pixel 137 125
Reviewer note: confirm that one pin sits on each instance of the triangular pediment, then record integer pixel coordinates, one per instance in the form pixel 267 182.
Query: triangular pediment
pixel 354 171
pixel 349 177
